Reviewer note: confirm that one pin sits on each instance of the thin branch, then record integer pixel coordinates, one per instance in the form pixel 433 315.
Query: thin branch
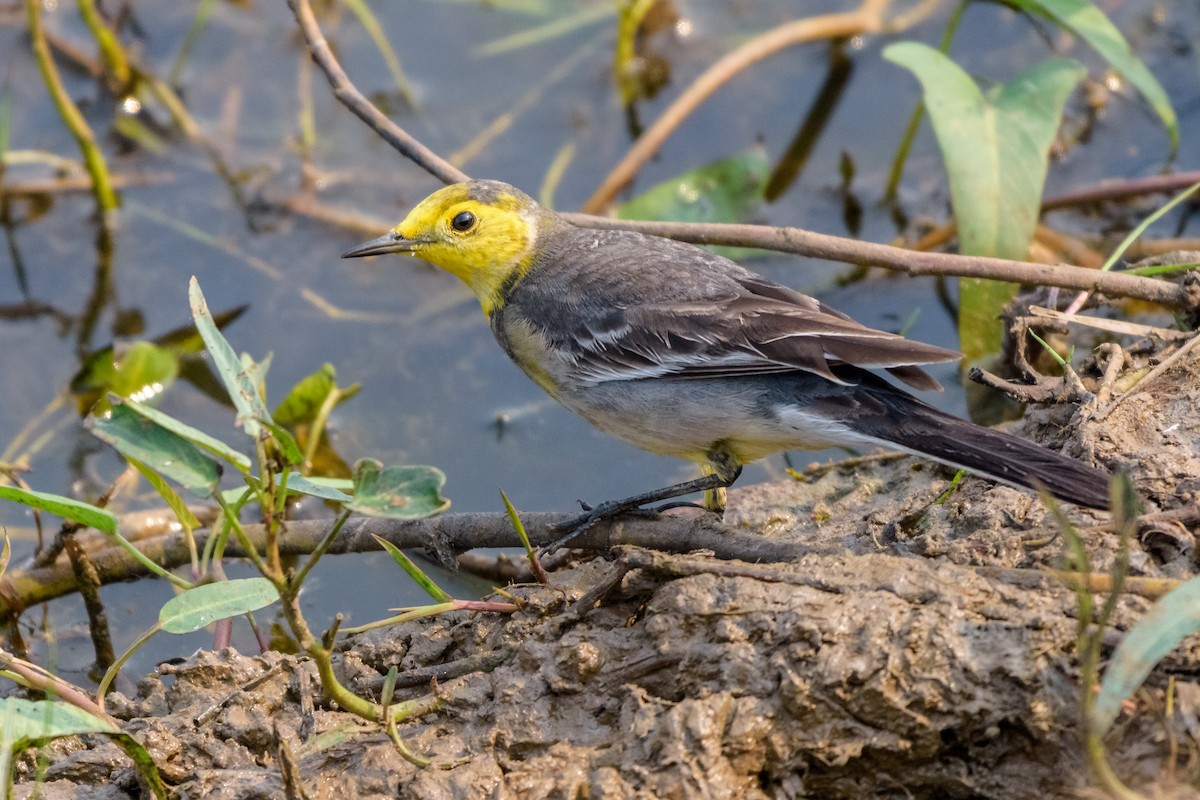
pixel 1122 190
pixel 836 248
pixel 452 533
pixel 348 94
pixel 867 18
pixel 52 685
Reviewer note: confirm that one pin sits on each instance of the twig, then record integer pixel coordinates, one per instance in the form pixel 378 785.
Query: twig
pixel 36 677
pixel 1122 190
pixel 1149 377
pixel 482 662
pixel 348 94
pixel 836 248
pixel 867 18
pixel 456 532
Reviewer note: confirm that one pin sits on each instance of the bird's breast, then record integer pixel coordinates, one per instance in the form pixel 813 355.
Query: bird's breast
pixel 530 350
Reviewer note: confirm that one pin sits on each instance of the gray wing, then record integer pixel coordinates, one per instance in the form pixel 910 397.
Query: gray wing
pixel 704 316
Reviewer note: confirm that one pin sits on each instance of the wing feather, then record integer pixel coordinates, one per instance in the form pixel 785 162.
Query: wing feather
pixel 703 317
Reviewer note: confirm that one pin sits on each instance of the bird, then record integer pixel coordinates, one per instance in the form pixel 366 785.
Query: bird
pixel 682 352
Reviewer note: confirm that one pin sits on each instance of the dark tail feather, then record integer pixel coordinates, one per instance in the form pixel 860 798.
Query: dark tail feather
pixel 918 428
pixel 1007 459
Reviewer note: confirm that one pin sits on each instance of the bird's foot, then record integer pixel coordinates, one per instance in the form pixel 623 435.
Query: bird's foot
pixel 608 510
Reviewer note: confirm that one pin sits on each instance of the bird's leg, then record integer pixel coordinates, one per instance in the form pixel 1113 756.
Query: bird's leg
pixel 722 470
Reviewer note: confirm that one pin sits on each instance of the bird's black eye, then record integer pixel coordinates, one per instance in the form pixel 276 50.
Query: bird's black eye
pixel 463 221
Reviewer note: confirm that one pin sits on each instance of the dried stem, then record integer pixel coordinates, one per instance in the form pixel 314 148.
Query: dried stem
pixel 348 94
pixel 453 532
pixel 867 18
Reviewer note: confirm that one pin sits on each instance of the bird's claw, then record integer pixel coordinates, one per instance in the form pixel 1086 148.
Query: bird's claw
pixel 594 514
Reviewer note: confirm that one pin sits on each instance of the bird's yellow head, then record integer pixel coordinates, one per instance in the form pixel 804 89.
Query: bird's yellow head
pixel 482 231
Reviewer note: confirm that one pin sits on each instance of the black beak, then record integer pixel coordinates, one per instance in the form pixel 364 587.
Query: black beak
pixel 388 243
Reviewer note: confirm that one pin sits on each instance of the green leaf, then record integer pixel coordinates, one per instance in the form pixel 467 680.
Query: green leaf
pixel 397 492
pixel 142 371
pixel 996 149
pixel 1090 24
pixel 197 437
pixel 143 762
pixel 289 449
pixel 25 721
pixel 64 507
pixel 238 378
pixel 182 513
pixel 195 608
pixel 302 403
pixel 729 190
pixel 1169 621
pixel 314 487
pixel 28 722
pixel 144 440
pixel 414 572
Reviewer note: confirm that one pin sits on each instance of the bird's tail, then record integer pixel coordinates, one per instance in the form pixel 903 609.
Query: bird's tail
pixel 918 428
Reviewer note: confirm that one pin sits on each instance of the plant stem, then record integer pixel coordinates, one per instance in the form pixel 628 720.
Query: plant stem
pixel 115 61
pixel 93 159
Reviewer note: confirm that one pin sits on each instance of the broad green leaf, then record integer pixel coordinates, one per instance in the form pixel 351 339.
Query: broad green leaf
pixel 414 572
pixel 239 380
pixel 24 721
pixel 197 437
pixel 142 371
pixel 64 507
pixel 1090 24
pixel 397 492
pixel 182 513
pixel 1169 621
pixel 144 440
pixel 195 608
pixel 996 149
pixel 28 722
pixel 306 397
pixel 729 190
pixel 323 489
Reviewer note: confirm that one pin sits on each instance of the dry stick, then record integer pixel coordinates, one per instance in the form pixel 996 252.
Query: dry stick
pixel 81 183
pixel 1122 190
pixel 89 587
pixel 789 240
pixel 447 533
pixel 867 18
pixel 452 532
pixel 52 685
pixel 348 94
pixel 835 248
